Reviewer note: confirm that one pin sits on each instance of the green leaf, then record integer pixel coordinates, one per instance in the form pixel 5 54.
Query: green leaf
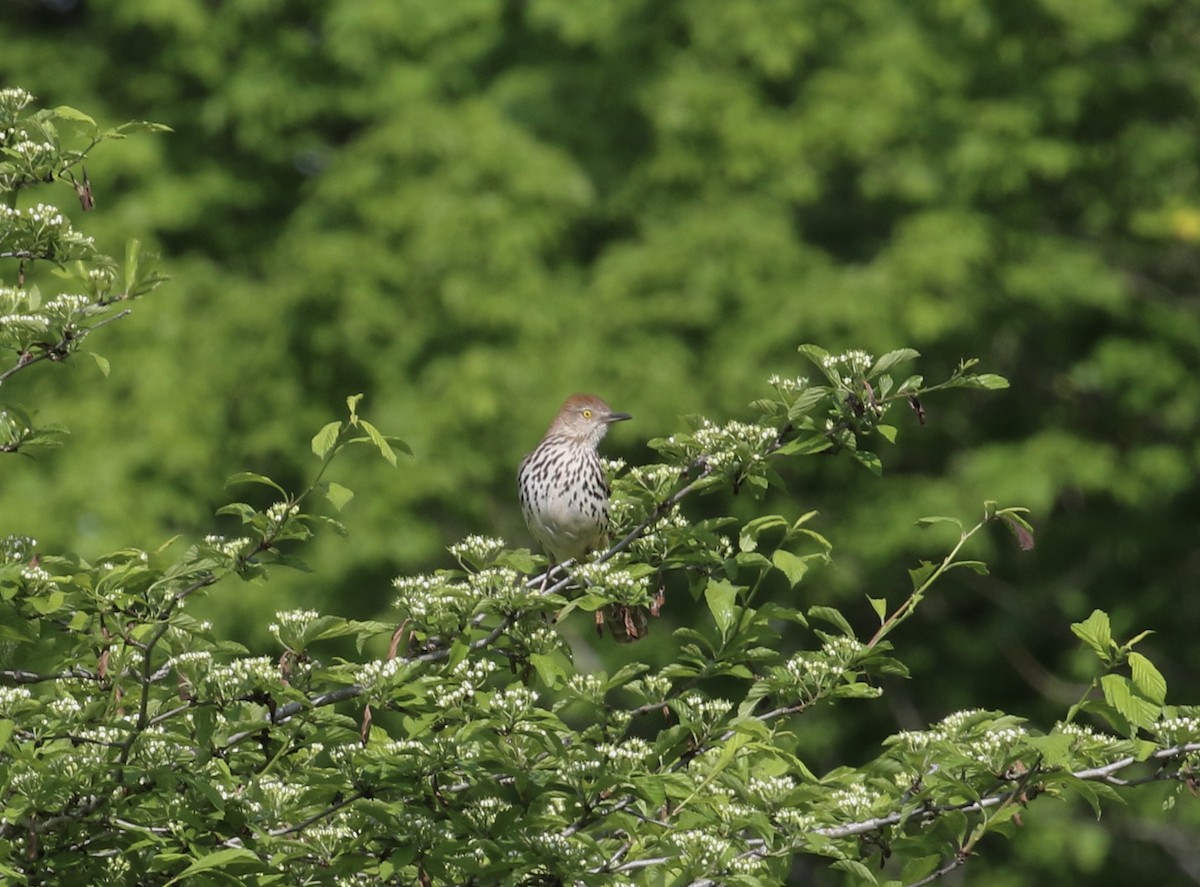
pixel 625 674
pixel 791 565
pixel 887 432
pixel 250 477
pixel 805 446
pixel 975 566
pixel 381 442
pixel 324 440
pixel 133 260
pixel 869 460
pixel 66 112
pixel 918 867
pixel 338 495
pixel 939 519
pixel 879 605
pixel 991 381
pixel 920 575
pixel 720 596
pixel 101 362
pixel 1096 632
pixel 136 126
pixel 1147 679
pixel 1118 692
pixel 216 860
pixel 554 669
pixel 45 604
pixel 832 616
pixel 1055 748
pixel 859 871
pixel 6 731
pixel 887 361
pixel 748 537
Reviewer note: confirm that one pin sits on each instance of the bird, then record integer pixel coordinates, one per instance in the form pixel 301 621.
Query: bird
pixel 564 496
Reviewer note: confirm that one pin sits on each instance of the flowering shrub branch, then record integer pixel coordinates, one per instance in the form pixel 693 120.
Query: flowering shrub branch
pixel 138 747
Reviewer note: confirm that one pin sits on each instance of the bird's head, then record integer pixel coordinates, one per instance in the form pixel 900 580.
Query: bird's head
pixel 585 418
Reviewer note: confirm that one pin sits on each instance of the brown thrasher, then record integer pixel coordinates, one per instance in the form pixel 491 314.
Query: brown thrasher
pixel 565 498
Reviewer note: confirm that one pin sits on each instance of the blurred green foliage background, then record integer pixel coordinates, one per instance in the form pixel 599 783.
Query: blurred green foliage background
pixel 468 210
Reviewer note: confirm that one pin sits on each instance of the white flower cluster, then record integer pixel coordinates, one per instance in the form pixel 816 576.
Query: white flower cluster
pixel 719 443
pixel 856 362
pixel 612 466
pixel 542 639
pixel 67 307
pixel 421 827
pixel 378 671
pixel 242 675
pixel 555 844
pixel 711 710
pixel 772 789
pixel 294 622
pixel 10 698
pixel 1083 731
pixel 993 747
pixel 484 812
pixel 496 581
pixel 33 150
pixel 811 668
pixel 556 805
pixel 329 838
pixel 471 677
pixel 117 867
pixel 31 322
pixel 155 748
pixel 227 547
pixel 746 864
pixel 655 477
pixel 700 848
pixel 652 686
pixel 101 276
pixel 586 686
pixel 12 421
pixel 654 542
pixel 581 768
pixel 102 737
pixel 43 215
pixel 279 796
pixel 789 386
pixel 13 99
pixel 14 549
pixel 843 649
pixel 424 596
pixel 795 820
pixel 913 740
pixel 477 549
pixel 65 707
pixel 988 746
pixel 1179 729
pixel 200 659
pixel 37 577
pixel 855 800
pixel 513 703
pixel 630 752
pixel 279 512
pixel 952 724
pixel 610 577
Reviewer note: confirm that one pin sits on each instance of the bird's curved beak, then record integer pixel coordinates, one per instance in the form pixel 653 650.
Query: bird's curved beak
pixel 616 417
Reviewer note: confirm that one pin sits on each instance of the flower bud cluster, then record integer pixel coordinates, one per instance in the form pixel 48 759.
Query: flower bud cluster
pixel 613 581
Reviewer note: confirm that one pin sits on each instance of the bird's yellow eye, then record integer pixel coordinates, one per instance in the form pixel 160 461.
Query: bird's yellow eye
pixel 587 414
